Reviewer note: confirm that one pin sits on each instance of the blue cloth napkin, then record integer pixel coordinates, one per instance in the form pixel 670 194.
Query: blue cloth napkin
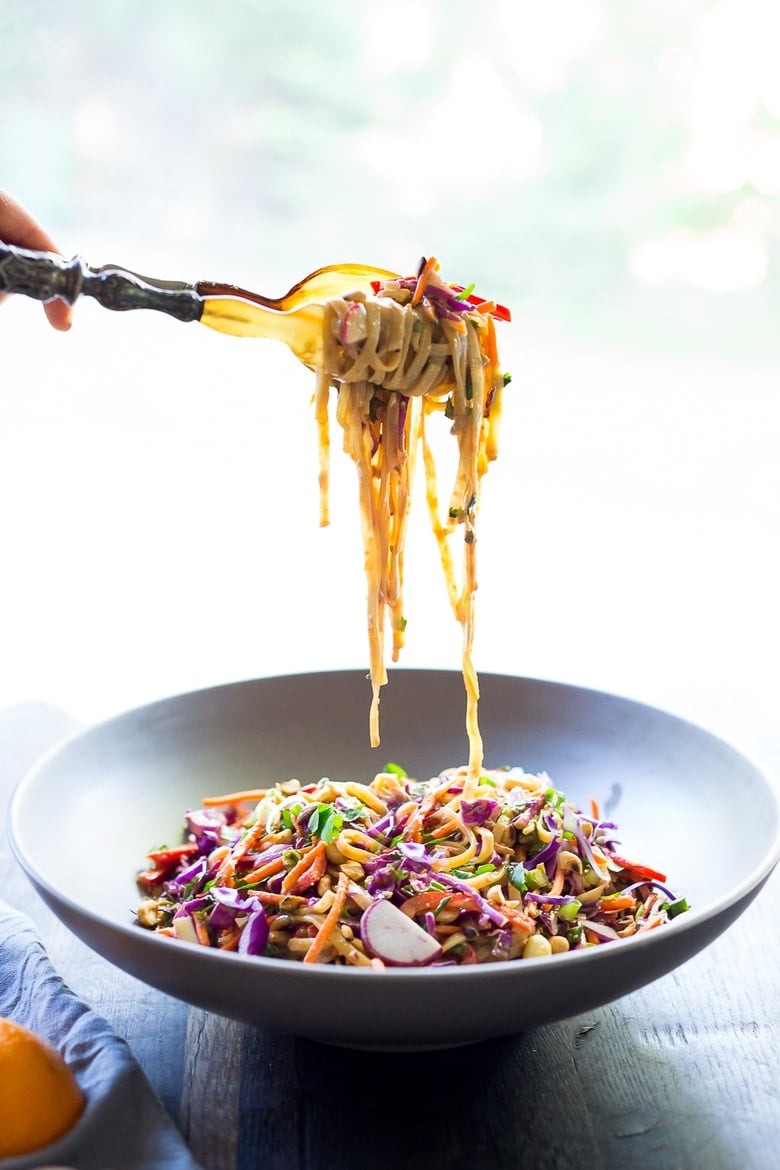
pixel 124 1125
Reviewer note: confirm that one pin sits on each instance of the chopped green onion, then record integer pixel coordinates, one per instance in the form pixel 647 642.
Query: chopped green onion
pixel 569 911
pixel 396 770
pixel 677 907
pixel 287 816
pixel 536 879
pixel 465 293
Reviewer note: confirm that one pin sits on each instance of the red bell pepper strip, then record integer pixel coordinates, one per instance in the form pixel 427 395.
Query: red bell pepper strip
pixel 640 871
pixel 501 313
pixel 163 862
pixel 431 900
pixel 168 857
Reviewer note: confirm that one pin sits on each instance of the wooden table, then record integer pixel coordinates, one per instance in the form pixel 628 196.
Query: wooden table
pixel 679 1076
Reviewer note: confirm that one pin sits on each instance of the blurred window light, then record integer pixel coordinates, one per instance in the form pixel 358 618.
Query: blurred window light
pixel 95 127
pixel 734 74
pixel 728 260
pixel 542 40
pixel 412 165
pixel 397 35
pixel 764 169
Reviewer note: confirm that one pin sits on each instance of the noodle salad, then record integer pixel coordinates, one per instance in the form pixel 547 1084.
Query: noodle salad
pixel 417 355
pixel 401 873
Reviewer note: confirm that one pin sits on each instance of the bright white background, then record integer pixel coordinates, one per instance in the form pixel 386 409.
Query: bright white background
pixel 614 179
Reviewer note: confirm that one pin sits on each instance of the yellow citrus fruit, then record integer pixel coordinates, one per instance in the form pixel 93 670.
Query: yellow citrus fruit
pixel 40 1099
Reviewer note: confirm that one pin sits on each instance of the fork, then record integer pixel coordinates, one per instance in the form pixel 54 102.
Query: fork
pixel 295 318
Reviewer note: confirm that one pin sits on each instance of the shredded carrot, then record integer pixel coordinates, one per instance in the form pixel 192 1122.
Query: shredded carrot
pixel 250 794
pixel 594 809
pixel 429 802
pixel 556 886
pixel 650 923
pixel 487 307
pixel 429 267
pixel 491 348
pixel 219 854
pixel 618 902
pixel 201 931
pixel 446 829
pixel 522 920
pixel 330 923
pixel 230 940
pixel 269 899
pixel 242 847
pixel 310 860
pixel 263 871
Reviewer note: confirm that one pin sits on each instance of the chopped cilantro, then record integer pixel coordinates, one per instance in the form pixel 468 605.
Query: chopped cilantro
pixel 325 822
pixel 354 814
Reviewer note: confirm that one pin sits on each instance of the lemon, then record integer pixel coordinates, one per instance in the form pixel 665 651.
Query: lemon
pixel 40 1098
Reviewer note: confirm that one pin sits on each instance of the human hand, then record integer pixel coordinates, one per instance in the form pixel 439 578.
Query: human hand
pixel 19 227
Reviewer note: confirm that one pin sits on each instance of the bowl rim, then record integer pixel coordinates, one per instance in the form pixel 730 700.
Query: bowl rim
pixel 693 918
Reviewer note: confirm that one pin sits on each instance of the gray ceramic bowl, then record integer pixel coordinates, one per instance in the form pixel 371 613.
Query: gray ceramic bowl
pixel 123 785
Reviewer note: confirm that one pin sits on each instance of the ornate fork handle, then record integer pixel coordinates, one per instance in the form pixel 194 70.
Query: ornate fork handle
pixel 45 276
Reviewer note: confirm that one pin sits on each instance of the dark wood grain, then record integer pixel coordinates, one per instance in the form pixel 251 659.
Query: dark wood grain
pixel 681 1075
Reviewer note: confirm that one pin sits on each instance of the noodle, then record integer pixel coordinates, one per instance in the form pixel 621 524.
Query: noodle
pixel 415 350
pixel 473 865
pixel 506 868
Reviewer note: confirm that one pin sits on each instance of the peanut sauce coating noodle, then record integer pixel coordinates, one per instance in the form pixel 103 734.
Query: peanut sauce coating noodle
pixel 415 351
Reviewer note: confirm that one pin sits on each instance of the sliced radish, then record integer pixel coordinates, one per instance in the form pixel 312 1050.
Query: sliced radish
pixel 185 929
pixel 390 935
